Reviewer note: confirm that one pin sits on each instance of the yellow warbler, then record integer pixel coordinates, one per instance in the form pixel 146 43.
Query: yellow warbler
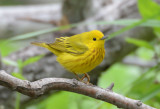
pixel 79 53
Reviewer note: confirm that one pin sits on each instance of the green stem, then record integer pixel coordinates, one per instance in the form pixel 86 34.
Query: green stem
pixel 18 97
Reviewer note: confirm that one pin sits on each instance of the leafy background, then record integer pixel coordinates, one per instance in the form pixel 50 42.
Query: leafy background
pixel 133 81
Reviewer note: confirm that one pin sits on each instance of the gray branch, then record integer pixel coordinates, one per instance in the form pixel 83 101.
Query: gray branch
pixel 40 87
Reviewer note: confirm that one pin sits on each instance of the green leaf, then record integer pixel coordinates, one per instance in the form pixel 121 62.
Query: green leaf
pixel 126 22
pixel 155 91
pixel 148 8
pixel 32 60
pixel 140 43
pixel 6 47
pixel 35 34
pixel 18 75
pixel 9 62
pixel 151 23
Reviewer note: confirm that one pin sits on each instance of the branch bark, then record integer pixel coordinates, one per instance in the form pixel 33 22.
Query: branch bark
pixel 40 87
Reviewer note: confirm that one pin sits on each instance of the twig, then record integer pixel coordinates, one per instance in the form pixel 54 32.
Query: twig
pixel 40 87
pixel 110 87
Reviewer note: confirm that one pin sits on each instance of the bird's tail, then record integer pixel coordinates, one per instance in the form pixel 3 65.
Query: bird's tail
pixel 45 45
pixel 41 44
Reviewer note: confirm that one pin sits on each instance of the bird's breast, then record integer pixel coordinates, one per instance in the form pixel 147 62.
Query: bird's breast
pixel 83 63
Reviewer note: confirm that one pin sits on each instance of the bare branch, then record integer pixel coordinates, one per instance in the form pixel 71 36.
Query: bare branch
pixel 40 87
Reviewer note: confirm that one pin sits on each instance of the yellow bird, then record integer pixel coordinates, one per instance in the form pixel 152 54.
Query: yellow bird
pixel 79 53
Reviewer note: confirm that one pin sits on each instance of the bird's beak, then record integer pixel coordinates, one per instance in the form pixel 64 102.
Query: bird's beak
pixel 104 37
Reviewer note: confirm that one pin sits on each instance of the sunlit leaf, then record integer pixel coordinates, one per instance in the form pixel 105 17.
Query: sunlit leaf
pixel 32 60
pixel 7 47
pixel 148 8
pixel 18 75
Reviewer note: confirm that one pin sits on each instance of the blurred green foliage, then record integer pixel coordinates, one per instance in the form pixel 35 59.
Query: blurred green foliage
pixel 142 83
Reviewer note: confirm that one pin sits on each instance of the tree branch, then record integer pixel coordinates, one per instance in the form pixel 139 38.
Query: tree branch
pixel 40 87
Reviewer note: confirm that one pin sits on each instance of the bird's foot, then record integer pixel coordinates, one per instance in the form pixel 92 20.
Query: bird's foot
pixel 82 79
pixel 88 79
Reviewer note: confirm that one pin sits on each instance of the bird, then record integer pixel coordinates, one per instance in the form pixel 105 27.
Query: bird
pixel 79 53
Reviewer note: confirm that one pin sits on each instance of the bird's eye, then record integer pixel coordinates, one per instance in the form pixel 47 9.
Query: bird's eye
pixel 94 39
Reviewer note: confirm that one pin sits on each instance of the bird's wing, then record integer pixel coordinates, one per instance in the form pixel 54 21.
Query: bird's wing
pixel 67 44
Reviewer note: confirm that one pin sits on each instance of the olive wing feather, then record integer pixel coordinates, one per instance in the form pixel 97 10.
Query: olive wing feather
pixel 70 45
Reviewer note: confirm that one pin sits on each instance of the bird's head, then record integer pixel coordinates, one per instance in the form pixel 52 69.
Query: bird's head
pixel 94 38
